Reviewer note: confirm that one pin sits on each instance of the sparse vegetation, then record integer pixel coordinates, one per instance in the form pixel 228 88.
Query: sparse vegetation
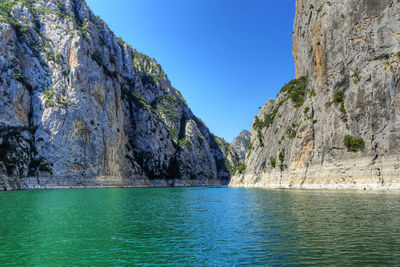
pixel 120 41
pixel 20 78
pixel 241 168
pixel 58 58
pixel 150 72
pixel 355 77
pixel 183 142
pixel 53 98
pixel 167 105
pixel 338 98
pixel 292 131
pixel 281 140
pixel 272 162
pixel 229 167
pixel 281 157
pixel 389 65
pixel 296 90
pixel 306 109
pixel 139 100
pixel 354 144
pixel 250 146
pixel 173 132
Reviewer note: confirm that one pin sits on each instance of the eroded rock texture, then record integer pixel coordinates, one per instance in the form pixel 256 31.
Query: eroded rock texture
pixel 80 107
pixel 347 57
pixel 241 143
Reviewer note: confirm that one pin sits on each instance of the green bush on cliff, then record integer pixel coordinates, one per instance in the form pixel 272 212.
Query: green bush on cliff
pixel 5 12
pixel 292 131
pixel 296 90
pixel 139 100
pixel 250 146
pixel 306 109
pixel 48 95
pixel 53 98
pixel 272 162
pixel 58 58
pixel 281 157
pixel 338 98
pixel 241 168
pixel 183 142
pixel 354 144
pixel 229 167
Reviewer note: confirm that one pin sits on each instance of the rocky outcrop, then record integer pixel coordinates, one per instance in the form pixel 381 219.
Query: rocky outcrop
pixel 240 144
pixel 80 107
pixel 232 159
pixel 234 152
pixel 338 124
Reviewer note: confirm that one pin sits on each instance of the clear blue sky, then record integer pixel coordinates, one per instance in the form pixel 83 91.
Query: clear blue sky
pixel 227 57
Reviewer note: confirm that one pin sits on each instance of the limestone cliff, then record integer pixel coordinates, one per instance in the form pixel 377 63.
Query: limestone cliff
pixel 234 152
pixel 232 159
pixel 240 144
pixel 338 124
pixel 80 107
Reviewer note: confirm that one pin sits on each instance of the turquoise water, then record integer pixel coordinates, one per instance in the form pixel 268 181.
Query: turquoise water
pixel 198 226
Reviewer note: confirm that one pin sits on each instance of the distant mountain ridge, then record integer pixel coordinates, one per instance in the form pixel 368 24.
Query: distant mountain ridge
pixel 241 143
pixel 234 152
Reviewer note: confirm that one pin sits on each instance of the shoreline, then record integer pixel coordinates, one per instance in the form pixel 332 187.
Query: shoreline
pixel 330 187
pixel 362 187
pixel 32 183
pixel 100 187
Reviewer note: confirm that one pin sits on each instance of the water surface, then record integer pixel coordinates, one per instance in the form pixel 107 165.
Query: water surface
pixel 216 226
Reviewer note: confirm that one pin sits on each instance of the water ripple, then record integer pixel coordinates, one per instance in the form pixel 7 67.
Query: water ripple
pixel 212 226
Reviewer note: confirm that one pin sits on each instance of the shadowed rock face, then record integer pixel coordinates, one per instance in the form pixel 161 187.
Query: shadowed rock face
pixel 348 52
pixel 234 152
pixel 80 107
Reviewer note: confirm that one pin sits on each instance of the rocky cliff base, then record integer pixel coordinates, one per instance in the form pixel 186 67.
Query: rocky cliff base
pixel 11 183
pixel 361 173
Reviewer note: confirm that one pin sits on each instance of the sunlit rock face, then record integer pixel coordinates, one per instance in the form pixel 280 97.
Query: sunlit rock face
pixel 338 124
pixel 241 143
pixel 80 107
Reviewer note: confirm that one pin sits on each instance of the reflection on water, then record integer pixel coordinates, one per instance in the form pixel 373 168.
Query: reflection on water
pixel 199 226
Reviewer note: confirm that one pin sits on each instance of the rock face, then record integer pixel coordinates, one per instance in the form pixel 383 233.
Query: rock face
pixel 80 107
pixel 232 159
pixel 240 144
pixel 338 124
pixel 235 152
